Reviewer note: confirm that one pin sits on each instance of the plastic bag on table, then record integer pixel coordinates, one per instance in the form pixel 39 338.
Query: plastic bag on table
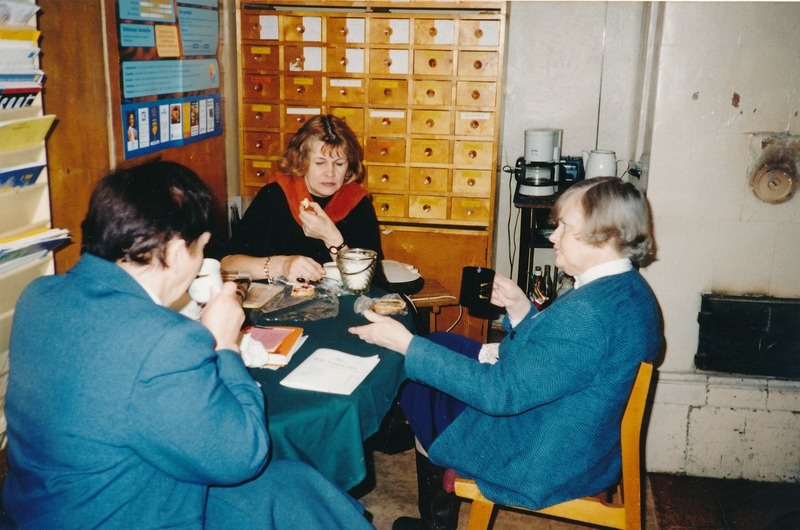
pixel 390 304
pixel 323 304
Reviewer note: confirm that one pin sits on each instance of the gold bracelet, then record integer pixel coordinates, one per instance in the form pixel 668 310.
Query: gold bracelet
pixel 266 269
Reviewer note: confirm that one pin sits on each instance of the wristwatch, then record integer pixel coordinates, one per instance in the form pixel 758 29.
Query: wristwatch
pixel 336 250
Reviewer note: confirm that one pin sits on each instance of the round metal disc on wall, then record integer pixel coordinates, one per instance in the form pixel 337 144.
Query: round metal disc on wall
pixel 774 185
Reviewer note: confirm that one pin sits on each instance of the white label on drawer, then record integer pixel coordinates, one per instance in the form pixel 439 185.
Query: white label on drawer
pixel 269 27
pixel 445 31
pixel 399 114
pixel 347 82
pixel 355 61
pixel 491 32
pixel 313 29
pixel 399 61
pixel 399 31
pixel 311 61
pixel 303 110
pixel 356 29
pixel 475 116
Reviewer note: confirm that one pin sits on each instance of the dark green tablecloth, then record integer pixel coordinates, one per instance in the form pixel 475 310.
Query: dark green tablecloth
pixel 327 431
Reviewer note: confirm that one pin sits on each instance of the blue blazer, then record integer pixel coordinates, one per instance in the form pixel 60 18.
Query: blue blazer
pixel 120 413
pixel 542 424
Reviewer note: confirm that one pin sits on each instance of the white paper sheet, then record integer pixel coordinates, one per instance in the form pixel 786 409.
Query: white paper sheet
pixel 331 371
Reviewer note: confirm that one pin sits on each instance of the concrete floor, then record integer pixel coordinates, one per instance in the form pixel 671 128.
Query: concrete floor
pixel 395 494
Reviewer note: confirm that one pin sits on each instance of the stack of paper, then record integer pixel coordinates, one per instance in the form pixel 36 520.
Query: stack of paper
pixel 271 347
pixel 18 250
pixel 331 371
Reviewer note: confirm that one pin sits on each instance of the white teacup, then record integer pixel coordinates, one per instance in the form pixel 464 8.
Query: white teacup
pixel 208 279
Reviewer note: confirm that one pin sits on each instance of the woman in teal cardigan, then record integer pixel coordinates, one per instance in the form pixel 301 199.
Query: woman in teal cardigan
pixel 123 413
pixel 535 421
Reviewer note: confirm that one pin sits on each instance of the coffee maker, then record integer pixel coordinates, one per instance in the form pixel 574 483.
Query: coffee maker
pixel 537 173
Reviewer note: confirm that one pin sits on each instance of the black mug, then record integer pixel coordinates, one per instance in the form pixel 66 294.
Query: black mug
pixel 476 291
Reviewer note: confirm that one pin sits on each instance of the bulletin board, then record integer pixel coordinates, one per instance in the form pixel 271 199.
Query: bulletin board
pixel 169 73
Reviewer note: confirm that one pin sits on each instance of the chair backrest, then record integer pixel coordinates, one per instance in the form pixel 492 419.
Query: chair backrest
pixel 630 436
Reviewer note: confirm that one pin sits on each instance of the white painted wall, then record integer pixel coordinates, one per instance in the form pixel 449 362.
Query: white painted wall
pixel 580 66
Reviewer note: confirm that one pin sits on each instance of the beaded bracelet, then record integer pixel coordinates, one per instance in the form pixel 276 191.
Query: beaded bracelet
pixel 266 269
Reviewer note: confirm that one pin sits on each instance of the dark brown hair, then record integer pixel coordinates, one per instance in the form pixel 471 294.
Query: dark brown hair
pixel 337 137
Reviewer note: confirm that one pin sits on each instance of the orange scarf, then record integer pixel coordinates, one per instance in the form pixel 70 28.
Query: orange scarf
pixel 341 203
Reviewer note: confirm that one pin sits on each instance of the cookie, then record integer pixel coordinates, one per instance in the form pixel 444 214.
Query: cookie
pixel 303 289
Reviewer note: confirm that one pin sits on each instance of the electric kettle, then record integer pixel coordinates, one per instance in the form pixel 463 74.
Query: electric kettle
pixel 601 163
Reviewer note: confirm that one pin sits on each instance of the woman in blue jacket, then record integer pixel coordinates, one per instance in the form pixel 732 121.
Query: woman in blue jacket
pixel 535 421
pixel 123 413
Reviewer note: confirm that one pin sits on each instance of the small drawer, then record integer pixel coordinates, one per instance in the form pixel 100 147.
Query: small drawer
pixel 434 31
pixel 385 150
pixel 257 26
pixel 381 178
pixel 345 90
pixel 430 151
pixel 388 92
pixel 258 172
pixel 476 93
pixel 468 209
pixel 302 89
pixel 428 179
pixel 307 29
pixel 260 115
pixel 386 121
pixel 261 58
pixel 387 205
pixel 474 63
pixel 352 116
pixel 475 123
pixel 425 207
pixel 389 61
pixel 344 30
pixel 345 60
pixel 302 59
pixel 430 122
pixel 473 154
pixel 431 92
pixel 389 30
pixel 479 32
pixel 472 181
pixel 295 117
pixel 261 87
pixel 433 62
pixel 262 144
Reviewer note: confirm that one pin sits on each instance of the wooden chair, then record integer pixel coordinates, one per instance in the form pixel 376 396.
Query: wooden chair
pixel 626 509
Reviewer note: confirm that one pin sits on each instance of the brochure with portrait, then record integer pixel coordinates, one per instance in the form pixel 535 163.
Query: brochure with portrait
pixel 331 371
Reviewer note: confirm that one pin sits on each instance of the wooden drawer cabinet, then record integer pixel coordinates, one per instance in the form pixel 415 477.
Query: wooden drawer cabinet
pixel 388 92
pixel 302 89
pixel 431 92
pixel 346 30
pixel 260 115
pixel 426 121
pixel 427 207
pixel 428 179
pixel 263 87
pixel 475 123
pixel 385 150
pixel 421 87
pixel 472 182
pixel 389 206
pixel 476 94
pixel 469 209
pixel 382 178
pixel 386 121
pixel 260 58
pixel 354 116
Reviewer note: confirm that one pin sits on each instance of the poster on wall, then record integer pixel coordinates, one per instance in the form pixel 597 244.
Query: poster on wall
pixel 169 73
